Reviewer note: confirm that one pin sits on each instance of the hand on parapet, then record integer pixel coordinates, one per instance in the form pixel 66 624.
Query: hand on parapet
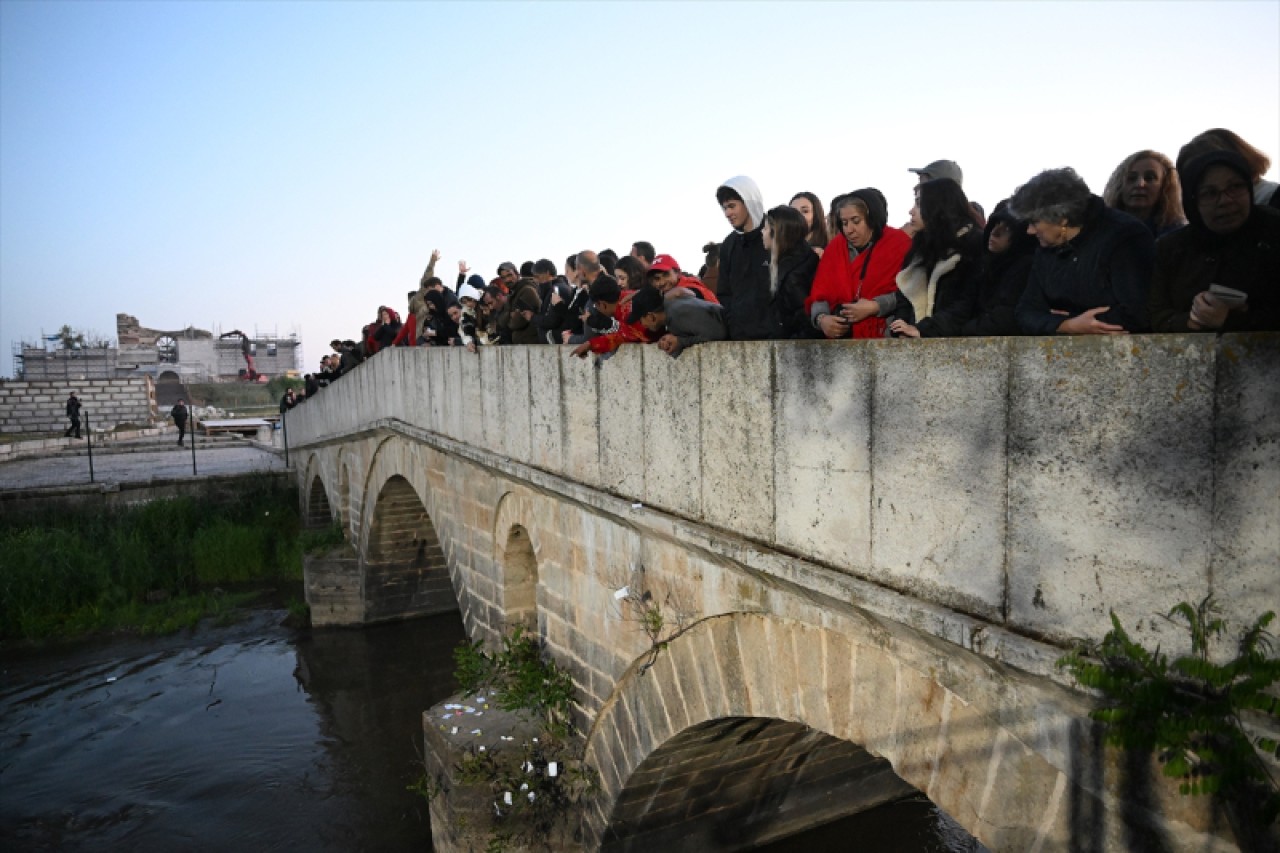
pixel 1087 323
pixel 833 326
pixel 903 328
pixel 581 350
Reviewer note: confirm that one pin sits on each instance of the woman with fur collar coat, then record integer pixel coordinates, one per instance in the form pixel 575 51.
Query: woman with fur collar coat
pixel 937 289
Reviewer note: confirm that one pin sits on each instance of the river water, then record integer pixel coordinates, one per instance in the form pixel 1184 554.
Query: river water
pixel 255 737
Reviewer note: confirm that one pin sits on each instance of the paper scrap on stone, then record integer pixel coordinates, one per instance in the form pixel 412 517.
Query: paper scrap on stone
pixel 637 506
pixel 621 594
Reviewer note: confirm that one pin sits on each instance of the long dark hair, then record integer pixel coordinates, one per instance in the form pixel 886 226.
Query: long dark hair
pixel 818 235
pixel 634 270
pixel 945 209
pixel 790 232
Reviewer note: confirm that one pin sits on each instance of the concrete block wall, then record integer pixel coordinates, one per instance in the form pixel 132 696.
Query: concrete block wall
pixel 1035 483
pixel 41 406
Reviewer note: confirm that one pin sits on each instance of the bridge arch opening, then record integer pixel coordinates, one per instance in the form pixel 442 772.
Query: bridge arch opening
pixel 405 569
pixel 319 512
pixel 520 580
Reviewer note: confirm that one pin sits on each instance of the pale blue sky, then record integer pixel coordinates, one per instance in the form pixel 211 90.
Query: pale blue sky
pixel 228 164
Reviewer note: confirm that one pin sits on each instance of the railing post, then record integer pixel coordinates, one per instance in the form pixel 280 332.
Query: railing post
pixel 88 432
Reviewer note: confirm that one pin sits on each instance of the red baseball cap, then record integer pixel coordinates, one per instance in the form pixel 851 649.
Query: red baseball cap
pixel 662 263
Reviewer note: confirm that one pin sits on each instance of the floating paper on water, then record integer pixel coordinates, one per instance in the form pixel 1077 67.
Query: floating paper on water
pixel 479 713
pixel 453 731
pixel 111 679
pixel 524 786
pixel 528 768
pixel 451 706
pixel 482 749
pixel 475 731
pixel 531 796
pixel 552 769
pixel 621 594
pixel 506 798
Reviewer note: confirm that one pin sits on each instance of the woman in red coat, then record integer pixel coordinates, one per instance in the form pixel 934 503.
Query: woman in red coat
pixel 861 263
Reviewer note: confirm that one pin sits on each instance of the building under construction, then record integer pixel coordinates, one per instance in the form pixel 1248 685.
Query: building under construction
pixel 185 355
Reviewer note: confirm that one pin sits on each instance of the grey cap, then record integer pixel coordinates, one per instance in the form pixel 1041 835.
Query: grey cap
pixel 941 169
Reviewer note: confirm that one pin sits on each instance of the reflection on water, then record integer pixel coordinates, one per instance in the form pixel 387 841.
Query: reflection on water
pixel 258 738
pixel 248 738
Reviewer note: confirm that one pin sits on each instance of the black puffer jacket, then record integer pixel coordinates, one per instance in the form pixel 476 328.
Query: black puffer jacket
pixel 796 270
pixel 1108 263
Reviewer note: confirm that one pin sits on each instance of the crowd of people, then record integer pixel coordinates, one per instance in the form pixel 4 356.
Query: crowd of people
pixel 1185 245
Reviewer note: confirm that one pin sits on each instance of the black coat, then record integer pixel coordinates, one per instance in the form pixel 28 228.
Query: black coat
pixel 1191 259
pixel 1108 263
pixel 955 295
pixel 552 318
pixel 743 288
pixel 796 270
pixel 999 288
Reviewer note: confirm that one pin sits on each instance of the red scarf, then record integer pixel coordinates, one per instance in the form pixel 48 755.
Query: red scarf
pixel 840 281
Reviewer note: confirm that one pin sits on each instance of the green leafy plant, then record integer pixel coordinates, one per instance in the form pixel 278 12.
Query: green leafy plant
pixel 521 676
pixel 531 798
pixel 1190 711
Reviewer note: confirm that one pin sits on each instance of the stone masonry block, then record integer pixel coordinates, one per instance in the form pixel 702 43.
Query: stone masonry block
pixel 1246 511
pixel 737 437
pixel 672 431
pixel 822 462
pixel 546 424
pixel 1110 482
pixel 516 402
pixel 938 507
pixel 621 424
pixel 581 426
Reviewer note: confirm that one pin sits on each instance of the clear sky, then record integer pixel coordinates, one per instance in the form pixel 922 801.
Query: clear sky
pixel 285 166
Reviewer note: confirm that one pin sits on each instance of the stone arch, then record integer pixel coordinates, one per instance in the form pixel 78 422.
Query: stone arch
pixel 516 555
pixel 848 683
pixel 318 511
pixel 405 571
pixel 345 513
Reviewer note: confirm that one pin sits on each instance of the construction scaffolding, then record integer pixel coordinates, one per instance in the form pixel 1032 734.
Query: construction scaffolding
pixel 38 361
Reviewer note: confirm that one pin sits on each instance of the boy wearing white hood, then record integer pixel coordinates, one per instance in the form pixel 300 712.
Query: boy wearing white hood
pixel 744 289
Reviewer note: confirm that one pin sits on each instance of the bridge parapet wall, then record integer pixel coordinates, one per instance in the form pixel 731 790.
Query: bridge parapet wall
pixel 1035 483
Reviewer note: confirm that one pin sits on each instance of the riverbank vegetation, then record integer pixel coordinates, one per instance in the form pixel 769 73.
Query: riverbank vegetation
pixel 152 568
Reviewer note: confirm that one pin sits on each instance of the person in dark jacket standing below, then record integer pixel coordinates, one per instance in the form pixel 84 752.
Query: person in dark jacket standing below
pixel 743 287
pixel 179 415
pixel 1222 272
pixel 73 414
pixel 1093 269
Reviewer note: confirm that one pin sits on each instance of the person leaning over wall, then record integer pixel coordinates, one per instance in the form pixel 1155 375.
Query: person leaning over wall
pixel 1003 275
pixel 1093 270
pixel 860 263
pixel 1230 242
pixel 937 287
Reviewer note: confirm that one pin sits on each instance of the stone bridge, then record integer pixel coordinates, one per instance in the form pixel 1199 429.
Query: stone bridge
pixel 884 544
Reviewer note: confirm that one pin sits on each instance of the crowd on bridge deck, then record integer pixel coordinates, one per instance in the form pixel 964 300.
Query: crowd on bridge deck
pixel 1186 247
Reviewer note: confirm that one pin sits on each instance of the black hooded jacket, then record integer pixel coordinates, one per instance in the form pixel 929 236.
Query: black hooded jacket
pixel 1002 279
pixel 1191 259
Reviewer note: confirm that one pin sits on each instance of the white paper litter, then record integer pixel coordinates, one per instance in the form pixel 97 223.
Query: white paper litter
pixel 506 798
pixel 621 594
pixel 553 769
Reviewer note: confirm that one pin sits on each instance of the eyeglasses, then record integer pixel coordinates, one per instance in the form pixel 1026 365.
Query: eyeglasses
pixel 1211 195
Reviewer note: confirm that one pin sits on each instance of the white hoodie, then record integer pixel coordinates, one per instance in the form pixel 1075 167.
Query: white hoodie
pixel 751 197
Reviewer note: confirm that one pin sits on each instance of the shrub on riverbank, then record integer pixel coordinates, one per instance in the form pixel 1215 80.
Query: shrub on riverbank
pixel 151 568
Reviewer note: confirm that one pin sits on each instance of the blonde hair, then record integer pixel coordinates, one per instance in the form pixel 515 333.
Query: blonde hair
pixel 1167 211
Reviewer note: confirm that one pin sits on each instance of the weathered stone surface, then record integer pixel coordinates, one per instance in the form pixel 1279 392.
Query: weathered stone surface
pixel 621 424
pixel 1110 482
pixel 1245 530
pixel 581 418
pixel 672 431
pixel 546 419
pixel 822 465
pixel 938 457
pixel 737 437
pixel 516 438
